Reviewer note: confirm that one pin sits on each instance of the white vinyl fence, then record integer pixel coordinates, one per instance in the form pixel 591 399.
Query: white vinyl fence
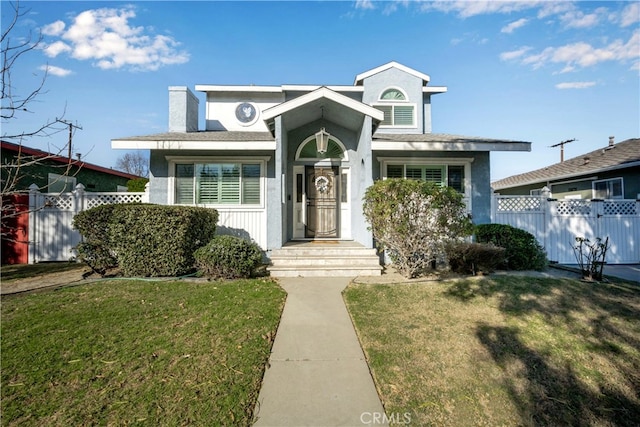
pixel 556 224
pixel 51 235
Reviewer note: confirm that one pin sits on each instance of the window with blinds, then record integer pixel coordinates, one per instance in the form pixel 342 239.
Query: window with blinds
pixel 397 111
pixel 217 183
pixel 449 175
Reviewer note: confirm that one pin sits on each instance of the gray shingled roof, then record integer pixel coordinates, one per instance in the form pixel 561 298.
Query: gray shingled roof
pixel 438 137
pixel 202 136
pixel 621 154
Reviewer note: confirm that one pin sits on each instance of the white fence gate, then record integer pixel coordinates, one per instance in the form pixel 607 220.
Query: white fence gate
pixel 556 224
pixel 51 235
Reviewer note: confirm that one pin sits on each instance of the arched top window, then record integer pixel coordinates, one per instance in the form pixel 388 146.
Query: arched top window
pixel 308 150
pixel 398 111
pixel 393 94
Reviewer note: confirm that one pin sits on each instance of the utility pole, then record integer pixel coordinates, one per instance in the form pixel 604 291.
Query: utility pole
pixel 561 144
pixel 71 126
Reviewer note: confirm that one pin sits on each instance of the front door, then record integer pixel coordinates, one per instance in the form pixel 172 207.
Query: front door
pixel 322 187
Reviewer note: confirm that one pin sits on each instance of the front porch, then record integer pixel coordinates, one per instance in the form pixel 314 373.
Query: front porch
pixel 330 258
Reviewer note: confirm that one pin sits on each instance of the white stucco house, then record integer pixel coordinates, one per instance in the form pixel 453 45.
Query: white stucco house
pixel 289 164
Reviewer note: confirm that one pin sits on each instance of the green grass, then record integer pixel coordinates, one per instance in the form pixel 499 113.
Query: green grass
pixel 22 271
pixel 503 350
pixel 124 352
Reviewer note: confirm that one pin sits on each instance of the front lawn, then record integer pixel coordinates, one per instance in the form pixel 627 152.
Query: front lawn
pixel 125 352
pixel 503 350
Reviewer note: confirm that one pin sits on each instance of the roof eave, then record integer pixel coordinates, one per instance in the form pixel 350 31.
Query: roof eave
pixel 390 145
pixel 133 144
pixel 567 176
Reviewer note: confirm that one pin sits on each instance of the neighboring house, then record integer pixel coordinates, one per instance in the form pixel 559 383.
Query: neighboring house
pixel 53 173
pixel 611 172
pixel 292 162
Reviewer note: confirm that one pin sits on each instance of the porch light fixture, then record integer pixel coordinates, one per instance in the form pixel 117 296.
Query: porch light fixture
pixel 322 141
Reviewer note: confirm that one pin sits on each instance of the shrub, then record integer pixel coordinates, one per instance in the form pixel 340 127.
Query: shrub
pixel 155 240
pixel 414 220
pixel 591 257
pixel 137 185
pixel 522 249
pixel 96 249
pixel 228 257
pixel 145 240
pixel 469 258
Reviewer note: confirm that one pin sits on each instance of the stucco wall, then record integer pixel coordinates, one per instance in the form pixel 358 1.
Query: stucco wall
pixel 411 85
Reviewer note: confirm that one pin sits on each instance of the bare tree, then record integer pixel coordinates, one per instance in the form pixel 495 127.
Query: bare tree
pixel 16 104
pixel 133 163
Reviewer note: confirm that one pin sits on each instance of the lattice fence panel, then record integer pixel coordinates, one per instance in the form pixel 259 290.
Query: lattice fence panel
pixel 94 200
pixel 519 204
pixel 619 207
pixel 60 202
pixel 573 207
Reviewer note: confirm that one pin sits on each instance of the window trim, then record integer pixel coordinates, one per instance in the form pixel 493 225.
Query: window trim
pixel 397 103
pixel 261 160
pixel 619 178
pixel 442 161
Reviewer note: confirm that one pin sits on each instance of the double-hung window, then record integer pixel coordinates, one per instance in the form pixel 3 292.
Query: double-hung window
pixel 398 112
pixel 218 183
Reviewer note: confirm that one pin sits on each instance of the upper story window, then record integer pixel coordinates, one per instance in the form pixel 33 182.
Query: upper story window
pixel 398 112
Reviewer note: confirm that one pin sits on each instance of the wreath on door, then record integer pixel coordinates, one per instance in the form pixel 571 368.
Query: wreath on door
pixel 322 184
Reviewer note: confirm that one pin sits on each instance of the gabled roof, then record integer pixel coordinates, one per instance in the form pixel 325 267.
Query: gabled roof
pixel 360 77
pixel 33 152
pixel 621 155
pixel 323 92
pixel 322 103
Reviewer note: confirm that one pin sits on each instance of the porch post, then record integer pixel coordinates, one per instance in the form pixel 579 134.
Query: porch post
pixel 34 191
pixel 276 205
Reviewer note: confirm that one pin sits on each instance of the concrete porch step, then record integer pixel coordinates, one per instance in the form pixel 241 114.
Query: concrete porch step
pixel 317 259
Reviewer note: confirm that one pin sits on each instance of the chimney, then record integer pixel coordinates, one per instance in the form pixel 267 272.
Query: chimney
pixel 611 142
pixel 183 110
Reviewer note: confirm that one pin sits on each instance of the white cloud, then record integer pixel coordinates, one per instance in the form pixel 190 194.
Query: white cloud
pixel 56 48
pixel 106 37
pixel 514 26
pixel 630 15
pixel 467 9
pixel 578 19
pixel 365 4
pixel 514 54
pixel 55 71
pixel 583 54
pixel 575 85
pixel 53 29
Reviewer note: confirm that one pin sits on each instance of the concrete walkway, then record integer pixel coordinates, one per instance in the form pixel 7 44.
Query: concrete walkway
pixel 317 373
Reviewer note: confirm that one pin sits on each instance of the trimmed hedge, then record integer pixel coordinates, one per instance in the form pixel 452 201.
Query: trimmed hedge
pixel 95 249
pixel 228 257
pixel 147 240
pixel 522 249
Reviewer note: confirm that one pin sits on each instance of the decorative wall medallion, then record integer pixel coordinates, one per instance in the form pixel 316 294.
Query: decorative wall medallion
pixel 246 113
pixel 322 184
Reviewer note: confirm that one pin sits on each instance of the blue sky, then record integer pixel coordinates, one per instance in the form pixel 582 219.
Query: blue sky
pixel 537 71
